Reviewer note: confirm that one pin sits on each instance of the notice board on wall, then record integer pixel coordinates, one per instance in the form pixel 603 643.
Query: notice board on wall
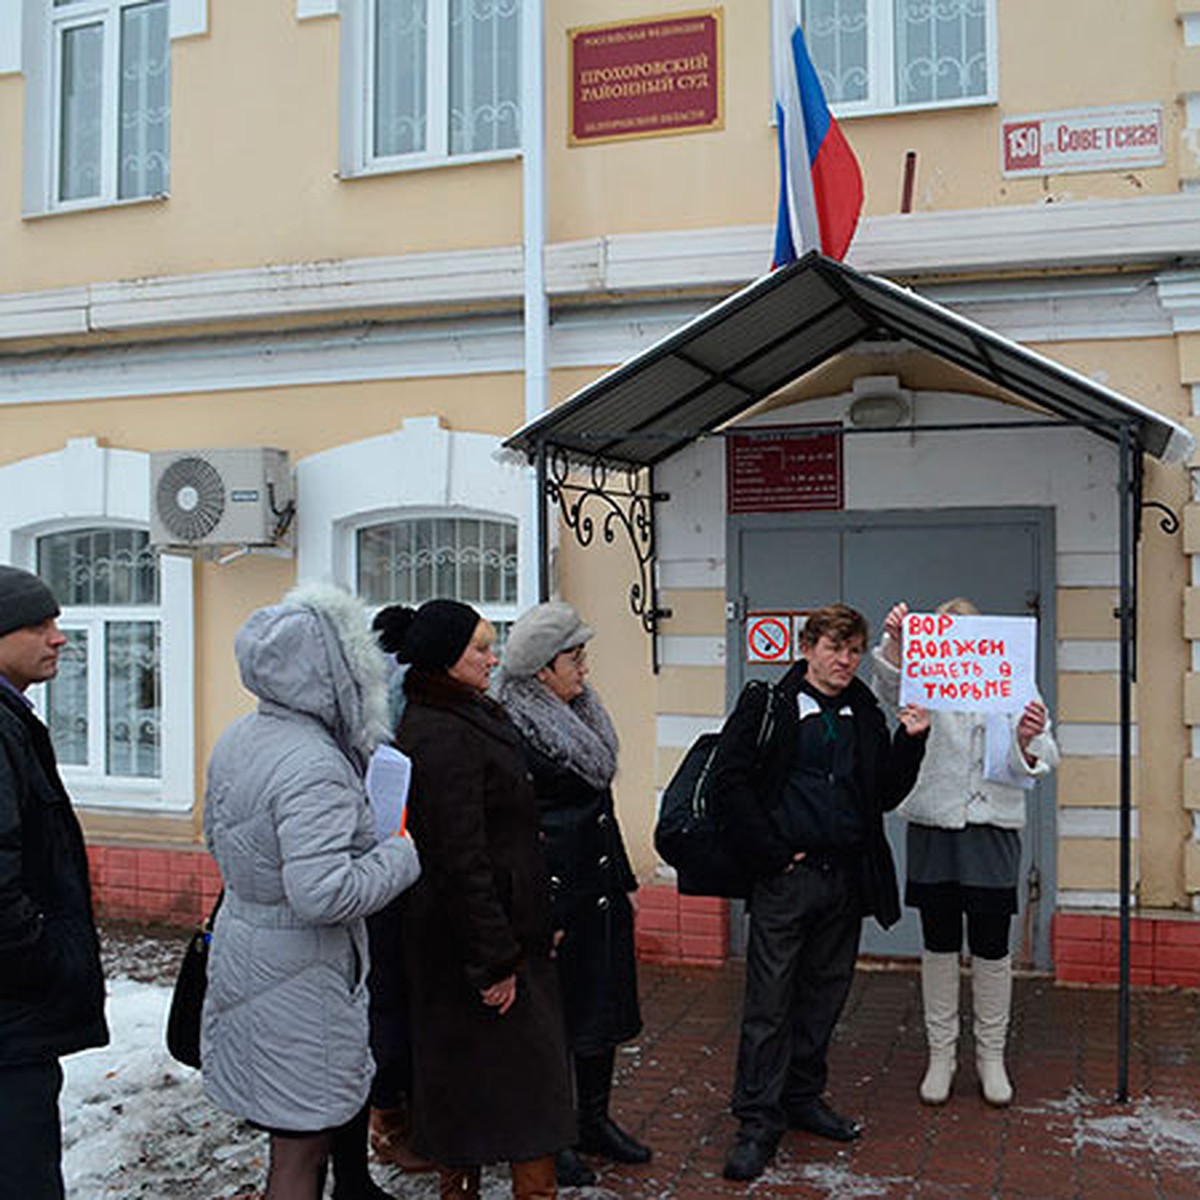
pixel 793 468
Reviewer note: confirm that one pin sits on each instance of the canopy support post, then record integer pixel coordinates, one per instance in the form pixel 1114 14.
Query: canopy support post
pixel 542 519
pixel 1127 614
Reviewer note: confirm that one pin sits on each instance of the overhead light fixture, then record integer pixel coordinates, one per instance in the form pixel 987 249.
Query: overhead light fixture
pixel 884 408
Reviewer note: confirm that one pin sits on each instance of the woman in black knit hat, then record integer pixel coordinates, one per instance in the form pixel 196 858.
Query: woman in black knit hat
pixel 490 1081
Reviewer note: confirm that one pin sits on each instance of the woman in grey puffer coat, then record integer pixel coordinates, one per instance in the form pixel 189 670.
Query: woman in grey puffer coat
pixel 284 1039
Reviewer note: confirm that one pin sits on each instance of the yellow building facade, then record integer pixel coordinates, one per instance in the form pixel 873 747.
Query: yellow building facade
pixel 379 237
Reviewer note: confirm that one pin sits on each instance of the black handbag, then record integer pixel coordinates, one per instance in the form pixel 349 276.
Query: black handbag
pixel 687 834
pixel 187 999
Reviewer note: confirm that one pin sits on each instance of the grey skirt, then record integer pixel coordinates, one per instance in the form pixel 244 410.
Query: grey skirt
pixel 974 869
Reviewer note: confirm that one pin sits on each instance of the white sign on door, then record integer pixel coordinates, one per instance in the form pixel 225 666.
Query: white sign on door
pixel 769 637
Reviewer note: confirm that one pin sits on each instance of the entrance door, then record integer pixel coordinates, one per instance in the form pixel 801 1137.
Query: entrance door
pixel 1002 559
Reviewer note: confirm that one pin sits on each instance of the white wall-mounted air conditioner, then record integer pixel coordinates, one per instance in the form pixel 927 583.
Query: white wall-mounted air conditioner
pixel 232 497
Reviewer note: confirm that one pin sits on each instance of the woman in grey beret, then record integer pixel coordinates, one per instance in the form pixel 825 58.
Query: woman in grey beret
pixel 571 750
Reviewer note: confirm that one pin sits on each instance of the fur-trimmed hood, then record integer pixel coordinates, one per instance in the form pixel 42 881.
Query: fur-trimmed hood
pixel 315 653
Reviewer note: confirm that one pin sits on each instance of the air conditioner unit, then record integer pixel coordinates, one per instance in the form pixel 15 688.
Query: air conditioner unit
pixel 233 497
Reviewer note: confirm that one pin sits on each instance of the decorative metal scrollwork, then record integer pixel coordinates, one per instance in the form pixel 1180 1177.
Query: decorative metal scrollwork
pixel 612 500
pixel 1169 521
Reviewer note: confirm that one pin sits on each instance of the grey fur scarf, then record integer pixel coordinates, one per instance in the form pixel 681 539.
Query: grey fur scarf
pixel 579 736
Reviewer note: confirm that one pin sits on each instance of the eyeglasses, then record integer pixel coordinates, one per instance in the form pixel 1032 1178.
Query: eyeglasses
pixel 578 656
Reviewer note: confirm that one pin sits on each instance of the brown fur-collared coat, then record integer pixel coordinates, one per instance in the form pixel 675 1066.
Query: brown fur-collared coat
pixel 486 1087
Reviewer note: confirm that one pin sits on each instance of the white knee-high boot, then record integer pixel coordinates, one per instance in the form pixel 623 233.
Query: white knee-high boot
pixel 991 987
pixel 939 995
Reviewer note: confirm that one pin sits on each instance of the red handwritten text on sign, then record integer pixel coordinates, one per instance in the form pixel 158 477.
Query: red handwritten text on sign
pixel 972 664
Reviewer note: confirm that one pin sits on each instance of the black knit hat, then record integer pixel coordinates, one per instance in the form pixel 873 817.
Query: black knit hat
pixel 24 600
pixel 432 636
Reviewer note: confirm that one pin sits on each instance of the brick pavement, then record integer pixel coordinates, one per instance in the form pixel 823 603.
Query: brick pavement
pixel 1064 1137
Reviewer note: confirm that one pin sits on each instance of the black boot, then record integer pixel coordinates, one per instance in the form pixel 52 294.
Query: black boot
pixel 571 1170
pixel 598 1132
pixel 351 1177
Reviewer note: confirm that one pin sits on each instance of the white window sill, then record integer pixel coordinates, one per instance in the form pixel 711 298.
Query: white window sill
pixel 131 795
pixel 396 166
pixel 77 206
pixel 847 113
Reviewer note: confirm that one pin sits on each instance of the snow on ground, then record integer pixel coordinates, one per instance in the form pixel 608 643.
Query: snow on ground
pixel 1170 1130
pixel 136 1123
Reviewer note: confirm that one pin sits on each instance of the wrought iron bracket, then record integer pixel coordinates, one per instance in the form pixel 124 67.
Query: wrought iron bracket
pixel 611 501
pixel 1169 521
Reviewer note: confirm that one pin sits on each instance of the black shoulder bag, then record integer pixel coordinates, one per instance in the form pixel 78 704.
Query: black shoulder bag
pixel 187 999
pixel 687 835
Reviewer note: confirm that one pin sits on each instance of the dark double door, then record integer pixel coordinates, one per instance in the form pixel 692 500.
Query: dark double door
pixel 1002 559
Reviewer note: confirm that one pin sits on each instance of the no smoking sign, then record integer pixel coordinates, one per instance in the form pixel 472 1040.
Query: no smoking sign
pixel 769 638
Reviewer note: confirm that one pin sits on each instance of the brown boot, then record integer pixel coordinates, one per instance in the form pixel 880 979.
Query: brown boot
pixel 534 1179
pixel 458 1183
pixel 390 1131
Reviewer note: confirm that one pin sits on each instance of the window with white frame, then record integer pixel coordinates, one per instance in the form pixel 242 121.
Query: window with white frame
pixel 104 707
pixel 124 701
pixel 416 558
pixel 880 55
pixel 432 80
pixel 108 114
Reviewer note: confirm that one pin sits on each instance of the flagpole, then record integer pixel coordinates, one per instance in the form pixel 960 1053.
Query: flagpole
pixel 534 585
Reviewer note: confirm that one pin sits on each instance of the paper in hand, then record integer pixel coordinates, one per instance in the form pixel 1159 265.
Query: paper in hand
pixel 388 775
pixel 998 745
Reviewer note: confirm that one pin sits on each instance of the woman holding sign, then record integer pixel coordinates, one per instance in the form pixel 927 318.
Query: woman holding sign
pixel 965 817
pixel 489 1058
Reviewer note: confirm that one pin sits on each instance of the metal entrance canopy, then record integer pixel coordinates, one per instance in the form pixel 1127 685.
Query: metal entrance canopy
pixel 760 339
pixel 780 327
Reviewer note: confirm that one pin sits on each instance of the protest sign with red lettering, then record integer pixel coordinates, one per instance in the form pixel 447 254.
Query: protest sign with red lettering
pixel 968 664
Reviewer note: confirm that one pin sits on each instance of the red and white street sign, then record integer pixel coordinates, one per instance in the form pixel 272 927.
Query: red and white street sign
pixel 1083 139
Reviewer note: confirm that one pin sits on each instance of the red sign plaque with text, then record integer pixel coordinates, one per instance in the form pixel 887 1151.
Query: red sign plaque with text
pixel 646 78
pixel 784 470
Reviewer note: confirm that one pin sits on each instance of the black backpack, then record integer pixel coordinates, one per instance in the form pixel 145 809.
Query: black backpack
pixel 687 835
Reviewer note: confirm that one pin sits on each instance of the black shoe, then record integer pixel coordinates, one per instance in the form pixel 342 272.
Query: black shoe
pixel 571 1170
pixel 817 1117
pixel 605 1137
pixel 748 1159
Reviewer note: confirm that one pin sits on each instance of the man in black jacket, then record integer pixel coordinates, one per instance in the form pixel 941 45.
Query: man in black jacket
pixel 51 986
pixel 806 809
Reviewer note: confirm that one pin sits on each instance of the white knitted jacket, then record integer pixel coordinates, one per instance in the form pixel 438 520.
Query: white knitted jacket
pixel 951 791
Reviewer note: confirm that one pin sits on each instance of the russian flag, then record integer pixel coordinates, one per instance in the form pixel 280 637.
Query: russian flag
pixel 820 185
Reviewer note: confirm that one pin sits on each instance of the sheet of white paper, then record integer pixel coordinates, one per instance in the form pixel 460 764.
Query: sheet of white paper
pixel 968 664
pixel 997 766
pixel 388 775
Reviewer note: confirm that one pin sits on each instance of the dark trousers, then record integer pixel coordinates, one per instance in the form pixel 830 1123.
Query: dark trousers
pixel 804 931
pixel 30 1132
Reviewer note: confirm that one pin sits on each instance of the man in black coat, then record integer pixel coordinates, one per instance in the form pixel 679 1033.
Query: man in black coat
pixel 51 986
pixel 806 810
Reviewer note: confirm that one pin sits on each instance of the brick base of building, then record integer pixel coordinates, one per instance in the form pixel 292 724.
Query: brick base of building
pixel 150 884
pixel 1164 950
pixel 179 888
pixel 672 928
